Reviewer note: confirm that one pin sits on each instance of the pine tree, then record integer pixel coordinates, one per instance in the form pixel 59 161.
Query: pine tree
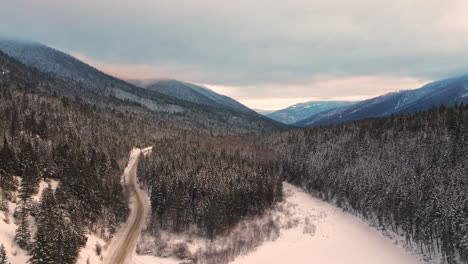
pixel 7 159
pixel 44 250
pixel 7 169
pixel 30 183
pixel 3 255
pixel 23 235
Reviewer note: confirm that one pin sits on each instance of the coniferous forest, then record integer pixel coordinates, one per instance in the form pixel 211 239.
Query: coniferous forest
pixel 406 173
pixel 193 184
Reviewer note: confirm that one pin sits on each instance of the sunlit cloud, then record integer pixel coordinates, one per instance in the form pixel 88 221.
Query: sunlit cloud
pixel 324 88
pixel 128 71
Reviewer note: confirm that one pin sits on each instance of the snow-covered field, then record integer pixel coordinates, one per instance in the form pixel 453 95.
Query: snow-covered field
pixel 331 237
pixel 339 238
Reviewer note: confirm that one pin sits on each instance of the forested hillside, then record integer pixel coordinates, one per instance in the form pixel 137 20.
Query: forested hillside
pixel 52 129
pixel 407 173
pixel 81 81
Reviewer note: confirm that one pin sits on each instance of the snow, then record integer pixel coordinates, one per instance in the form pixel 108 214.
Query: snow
pixel 42 186
pixel 332 237
pixel 7 230
pixel 7 233
pixel 88 253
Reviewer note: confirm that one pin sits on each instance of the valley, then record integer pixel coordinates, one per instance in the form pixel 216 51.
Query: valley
pixel 328 182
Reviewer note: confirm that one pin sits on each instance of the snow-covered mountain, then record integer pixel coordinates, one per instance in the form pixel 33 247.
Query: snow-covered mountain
pixel 298 112
pixel 196 94
pixel 67 67
pixel 445 92
pixel 156 98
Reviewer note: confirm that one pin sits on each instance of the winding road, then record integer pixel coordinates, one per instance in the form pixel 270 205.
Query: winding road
pixel 124 243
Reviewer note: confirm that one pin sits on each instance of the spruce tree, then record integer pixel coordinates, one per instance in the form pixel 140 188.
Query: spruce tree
pixel 7 170
pixel 7 159
pixel 3 255
pixel 30 183
pixel 45 250
pixel 23 235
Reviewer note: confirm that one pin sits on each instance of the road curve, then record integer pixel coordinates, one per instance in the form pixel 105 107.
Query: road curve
pixel 123 244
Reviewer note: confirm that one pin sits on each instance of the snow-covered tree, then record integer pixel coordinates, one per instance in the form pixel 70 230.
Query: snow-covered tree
pixel 23 235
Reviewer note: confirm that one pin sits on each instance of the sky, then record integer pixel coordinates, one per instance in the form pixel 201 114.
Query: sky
pixel 266 54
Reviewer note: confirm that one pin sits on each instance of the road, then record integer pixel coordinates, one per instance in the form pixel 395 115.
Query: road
pixel 124 243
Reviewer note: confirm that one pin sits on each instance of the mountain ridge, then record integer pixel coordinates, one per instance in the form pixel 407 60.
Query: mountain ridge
pixel 196 94
pixel 446 92
pixel 77 73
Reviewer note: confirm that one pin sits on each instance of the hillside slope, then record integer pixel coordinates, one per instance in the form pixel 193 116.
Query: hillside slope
pixel 196 94
pixel 445 92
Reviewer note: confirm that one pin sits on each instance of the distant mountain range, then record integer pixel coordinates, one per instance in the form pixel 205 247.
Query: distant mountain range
pixel 445 92
pixel 176 96
pixel 298 112
pixel 157 97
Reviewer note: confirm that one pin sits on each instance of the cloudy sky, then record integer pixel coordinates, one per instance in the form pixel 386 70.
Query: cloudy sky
pixel 267 54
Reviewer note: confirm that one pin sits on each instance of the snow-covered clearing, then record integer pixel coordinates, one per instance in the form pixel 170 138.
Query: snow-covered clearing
pixel 319 233
pixel 339 238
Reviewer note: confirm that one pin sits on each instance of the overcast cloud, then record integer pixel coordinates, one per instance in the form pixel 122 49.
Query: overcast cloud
pixel 258 50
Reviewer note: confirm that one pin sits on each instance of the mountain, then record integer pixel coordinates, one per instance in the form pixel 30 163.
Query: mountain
pixel 196 94
pixel 67 67
pixel 302 111
pixel 445 92
pixel 91 84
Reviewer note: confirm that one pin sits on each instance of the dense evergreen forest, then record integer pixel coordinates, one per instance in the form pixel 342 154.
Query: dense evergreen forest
pixel 406 173
pixel 194 185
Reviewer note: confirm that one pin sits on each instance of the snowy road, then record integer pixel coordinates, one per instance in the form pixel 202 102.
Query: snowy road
pixel 123 244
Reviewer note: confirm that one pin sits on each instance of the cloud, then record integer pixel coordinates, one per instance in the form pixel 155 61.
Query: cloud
pixel 257 46
pixel 130 71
